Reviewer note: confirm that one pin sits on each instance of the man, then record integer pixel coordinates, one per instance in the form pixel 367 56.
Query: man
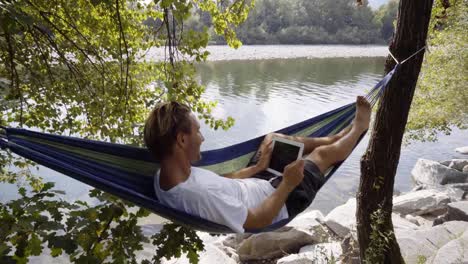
pixel 240 199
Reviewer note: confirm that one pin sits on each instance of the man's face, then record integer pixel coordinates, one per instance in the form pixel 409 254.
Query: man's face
pixel 195 139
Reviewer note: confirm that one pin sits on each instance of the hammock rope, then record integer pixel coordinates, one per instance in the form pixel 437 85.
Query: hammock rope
pixel 128 172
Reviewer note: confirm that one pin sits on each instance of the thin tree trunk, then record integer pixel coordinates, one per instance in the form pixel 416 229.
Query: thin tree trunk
pixel 379 164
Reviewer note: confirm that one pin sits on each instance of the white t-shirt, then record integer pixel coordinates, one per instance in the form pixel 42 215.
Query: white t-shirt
pixel 216 198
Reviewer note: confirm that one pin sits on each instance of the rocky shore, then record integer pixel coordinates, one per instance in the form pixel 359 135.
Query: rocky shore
pixel 430 221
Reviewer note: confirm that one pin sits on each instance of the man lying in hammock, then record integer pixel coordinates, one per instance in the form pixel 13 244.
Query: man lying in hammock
pixel 240 199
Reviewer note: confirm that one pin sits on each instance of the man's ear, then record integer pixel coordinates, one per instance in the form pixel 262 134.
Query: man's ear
pixel 180 139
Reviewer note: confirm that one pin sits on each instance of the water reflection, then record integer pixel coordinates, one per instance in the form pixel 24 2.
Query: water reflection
pixel 267 95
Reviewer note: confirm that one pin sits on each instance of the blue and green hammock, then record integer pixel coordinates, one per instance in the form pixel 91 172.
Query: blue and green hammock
pixel 128 172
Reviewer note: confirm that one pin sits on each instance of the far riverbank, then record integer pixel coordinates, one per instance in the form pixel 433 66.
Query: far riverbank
pixel 264 52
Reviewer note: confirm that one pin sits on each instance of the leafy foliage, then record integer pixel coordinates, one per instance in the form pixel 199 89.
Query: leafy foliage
pixel 440 100
pixel 78 68
pixel 380 239
pixel 104 233
pixel 171 237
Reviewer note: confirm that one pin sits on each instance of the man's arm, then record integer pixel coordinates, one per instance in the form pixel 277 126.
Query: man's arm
pixel 264 214
pixel 244 173
pixel 262 164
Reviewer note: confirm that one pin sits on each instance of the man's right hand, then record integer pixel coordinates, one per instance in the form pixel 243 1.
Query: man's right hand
pixel 294 173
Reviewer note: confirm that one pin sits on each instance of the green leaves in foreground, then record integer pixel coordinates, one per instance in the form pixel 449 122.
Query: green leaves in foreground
pixel 440 101
pixel 174 240
pixel 104 233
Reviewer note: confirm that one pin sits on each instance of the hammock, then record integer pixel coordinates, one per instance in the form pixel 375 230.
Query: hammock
pixel 128 172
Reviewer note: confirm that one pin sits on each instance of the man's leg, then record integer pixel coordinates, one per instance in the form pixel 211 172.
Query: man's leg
pixel 310 143
pixel 326 155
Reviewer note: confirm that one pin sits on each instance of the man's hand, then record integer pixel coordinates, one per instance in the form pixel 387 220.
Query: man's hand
pixel 294 173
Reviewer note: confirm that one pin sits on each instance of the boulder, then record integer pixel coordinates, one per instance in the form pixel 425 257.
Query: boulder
pixel 465 169
pixel 337 229
pixel 454 252
pixel 457 211
pixel 342 219
pixel 454 190
pixel 234 240
pixel 421 202
pixel 344 215
pixel 460 186
pixel 433 173
pixel 319 253
pixel 402 223
pixel 458 164
pixel 284 240
pixel 210 255
pixel 421 222
pixel 425 243
pixel 307 219
pixel 462 150
pixel 350 248
pixel 445 162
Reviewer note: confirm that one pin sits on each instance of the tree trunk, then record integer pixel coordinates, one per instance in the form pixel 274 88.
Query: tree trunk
pixel 379 163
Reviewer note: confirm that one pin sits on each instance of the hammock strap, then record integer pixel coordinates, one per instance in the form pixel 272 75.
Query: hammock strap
pixel 405 60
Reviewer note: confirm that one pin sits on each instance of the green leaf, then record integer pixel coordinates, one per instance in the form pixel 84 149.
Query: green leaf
pixel 22 191
pixel 35 245
pixel 55 252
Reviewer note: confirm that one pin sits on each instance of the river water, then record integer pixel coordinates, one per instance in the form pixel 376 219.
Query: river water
pixel 266 88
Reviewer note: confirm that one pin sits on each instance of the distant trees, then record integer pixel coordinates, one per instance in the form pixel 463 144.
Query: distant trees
pixel 311 22
pixel 385 18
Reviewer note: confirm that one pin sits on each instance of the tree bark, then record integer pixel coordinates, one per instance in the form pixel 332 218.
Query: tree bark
pixel 379 163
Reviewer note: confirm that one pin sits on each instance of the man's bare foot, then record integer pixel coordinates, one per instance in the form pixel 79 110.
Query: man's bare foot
pixel 363 114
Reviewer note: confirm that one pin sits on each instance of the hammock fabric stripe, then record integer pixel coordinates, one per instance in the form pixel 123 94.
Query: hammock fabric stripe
pixel 128 171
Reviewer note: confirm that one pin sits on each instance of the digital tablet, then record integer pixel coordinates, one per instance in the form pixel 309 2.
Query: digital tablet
pixel 284 152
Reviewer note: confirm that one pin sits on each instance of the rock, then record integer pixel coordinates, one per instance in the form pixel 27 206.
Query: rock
pixel 337 229
pixel 307 219
pixel 445 162
pixel 462 150
pixel 458 164
pixel 465 169
pixel 460 186
pixel 433 173
pixel 318 253
pixel 425 243
pixel 345 215
pixel 284 240
pixel 234 240
pixel 419 221
pixel 342 219
pixel 421 202
pixel 454 252
pixel 457 211
pixel 402 223
pixel 350 247
pixel 456 191
pixel 210 255
pixel 213 254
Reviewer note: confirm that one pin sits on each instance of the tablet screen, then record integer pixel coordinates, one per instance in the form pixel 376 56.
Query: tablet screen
pixel 283 154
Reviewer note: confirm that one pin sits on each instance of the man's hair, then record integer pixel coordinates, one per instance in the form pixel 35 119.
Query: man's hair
pixel 162 126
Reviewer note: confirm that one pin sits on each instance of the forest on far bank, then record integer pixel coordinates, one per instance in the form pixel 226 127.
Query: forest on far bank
pixel 308 22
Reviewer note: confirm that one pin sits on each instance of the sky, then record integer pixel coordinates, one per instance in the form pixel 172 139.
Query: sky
pixel 374 4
